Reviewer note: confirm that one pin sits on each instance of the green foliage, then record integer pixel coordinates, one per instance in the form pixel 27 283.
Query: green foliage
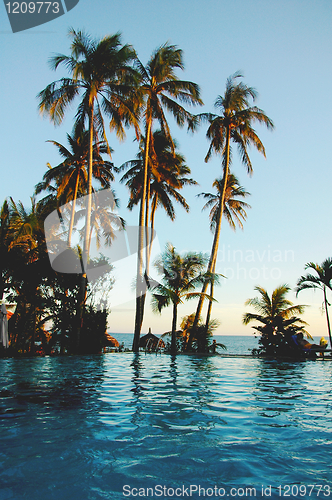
pixel 167 174
pixel 235 123
pixel 279 323
pixel 108 80
pixel 181 274
pixel 322 279
pixel 68 180
pixel 161 89
pixel 234 208
pixel 100 71
pixel 274 342
pixel 201 335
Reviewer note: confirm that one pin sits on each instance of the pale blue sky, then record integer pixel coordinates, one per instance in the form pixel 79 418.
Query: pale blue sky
pixel 283 48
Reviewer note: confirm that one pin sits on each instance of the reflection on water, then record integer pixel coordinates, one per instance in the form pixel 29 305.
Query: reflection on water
pixel 83 427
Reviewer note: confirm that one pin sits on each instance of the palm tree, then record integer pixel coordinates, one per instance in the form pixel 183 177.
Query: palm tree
pixel 181 275
pixel 277 315
pixel 70 176
pixel 234 211
pixel 101 72
pixel 161 89
pixel 28 228
pixel 234 124
pixel 203 333
pixel 322 280
pixel 167 175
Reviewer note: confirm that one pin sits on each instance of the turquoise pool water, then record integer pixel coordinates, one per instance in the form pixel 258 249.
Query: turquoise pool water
pixel 125 426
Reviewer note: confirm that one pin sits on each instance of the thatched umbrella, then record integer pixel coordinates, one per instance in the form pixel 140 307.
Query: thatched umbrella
pixel 150 341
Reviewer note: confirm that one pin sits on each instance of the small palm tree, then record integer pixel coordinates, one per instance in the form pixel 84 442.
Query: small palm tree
pixel 28 227
pixel 161 90
pixel 234 211
pixel 234 124
pixel 276 314
pixel 181 275
pixel 202 334
pixel 234 208
pixel 321 280
pixel 70 176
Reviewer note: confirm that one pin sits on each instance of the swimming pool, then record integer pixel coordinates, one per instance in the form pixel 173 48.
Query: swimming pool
pixel 124 426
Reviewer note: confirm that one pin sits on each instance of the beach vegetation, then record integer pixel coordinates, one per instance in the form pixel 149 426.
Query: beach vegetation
pixel 44 318
pixel 322 280
pixel 278 318
pixel 107 81
pixel 181 274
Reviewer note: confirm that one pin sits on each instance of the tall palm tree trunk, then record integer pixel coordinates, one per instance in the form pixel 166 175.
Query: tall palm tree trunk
pixel 72 215
pixel 208 314
pixel 83 283
pixel 70 232
pixel 214 251
pixel 173 341
pixel 34 323
pixel 89 194
pixel 327 316
pixel 64 321
pixel 147 210
pixel 153 213
pixel 140 296
pixel 34 327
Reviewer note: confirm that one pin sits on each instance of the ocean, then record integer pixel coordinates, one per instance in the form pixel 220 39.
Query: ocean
pixel 235 344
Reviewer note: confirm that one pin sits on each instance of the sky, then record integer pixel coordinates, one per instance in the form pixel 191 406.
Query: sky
pixel 283 49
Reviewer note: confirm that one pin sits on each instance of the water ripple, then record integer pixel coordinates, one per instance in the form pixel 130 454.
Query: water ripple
pixel 83 427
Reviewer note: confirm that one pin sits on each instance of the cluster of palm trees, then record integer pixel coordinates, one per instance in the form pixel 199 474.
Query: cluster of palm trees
pixel 109 82
pixel 279 316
